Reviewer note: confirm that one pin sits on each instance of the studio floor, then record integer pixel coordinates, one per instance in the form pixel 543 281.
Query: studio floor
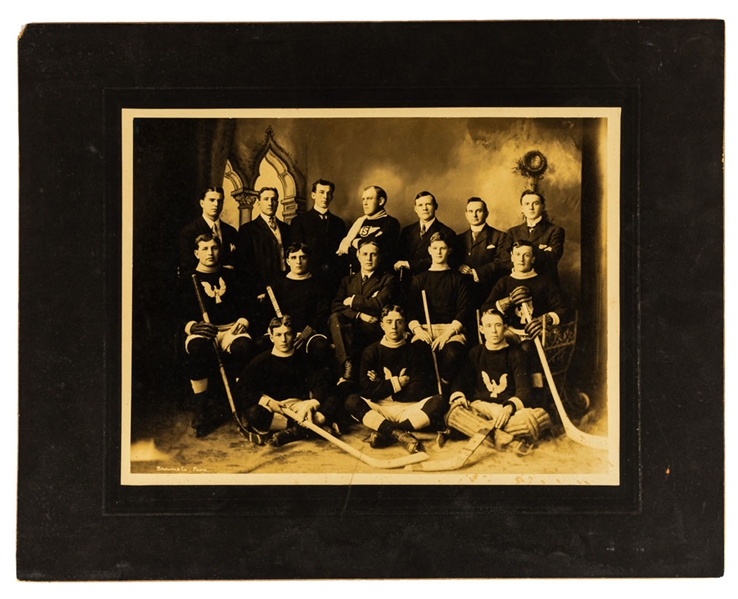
pixel 168 448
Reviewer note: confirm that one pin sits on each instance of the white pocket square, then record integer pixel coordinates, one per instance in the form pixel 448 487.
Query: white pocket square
pixel 491 246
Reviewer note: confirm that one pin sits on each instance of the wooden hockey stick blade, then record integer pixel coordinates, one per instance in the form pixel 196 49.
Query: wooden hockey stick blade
pixel 457 461
pixel 412 458
pixel 575 434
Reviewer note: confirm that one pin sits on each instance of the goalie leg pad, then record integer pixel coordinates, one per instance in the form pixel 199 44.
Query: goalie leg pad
pixel 467 422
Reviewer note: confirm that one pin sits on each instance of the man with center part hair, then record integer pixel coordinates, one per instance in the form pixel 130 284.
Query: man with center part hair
pixel 397 387
pixel 284 377
pixel 449 308
pixel 375 224
pixel 227 305
pixel 322 231
pixel 495 391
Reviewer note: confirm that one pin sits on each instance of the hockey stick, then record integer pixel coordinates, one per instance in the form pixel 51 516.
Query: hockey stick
pixel 576 435
pixel 457 461
pixel 412 458
pixel 430 332
pixel 307 332
pixel 479 328
pixel 255 438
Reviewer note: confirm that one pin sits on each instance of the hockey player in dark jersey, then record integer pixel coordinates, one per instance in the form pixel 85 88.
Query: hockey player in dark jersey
pixel 285 377
pixel 396 387
pixel 496 390
pixel 302 295
pixel 226 304
pixel 449 307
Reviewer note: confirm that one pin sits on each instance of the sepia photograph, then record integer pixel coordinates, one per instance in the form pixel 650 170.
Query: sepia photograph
pixel 376 296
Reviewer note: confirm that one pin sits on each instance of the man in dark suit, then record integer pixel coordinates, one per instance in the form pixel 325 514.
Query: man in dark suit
pixel 415 238
pixel 211 202
pixel 322 232
pixel 546 238
pixel 262 242
pixel 484 252
pixel 356 309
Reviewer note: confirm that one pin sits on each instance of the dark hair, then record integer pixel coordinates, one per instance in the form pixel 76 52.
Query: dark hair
pixel 422 194
pixel 280 321
pixel 207 190
pixel 205 237
pixel 298 247
pixel 392 308
pixel 440 236
pixel 381 193
pixel 530 192
pixel 476 199
pixel 323 182
pixel 365 240
pixel 263 189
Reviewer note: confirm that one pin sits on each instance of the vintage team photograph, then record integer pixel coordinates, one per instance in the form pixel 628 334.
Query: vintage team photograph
pixel 370 296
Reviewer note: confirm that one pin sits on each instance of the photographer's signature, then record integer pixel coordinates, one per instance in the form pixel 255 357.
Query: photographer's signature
pixel 180 469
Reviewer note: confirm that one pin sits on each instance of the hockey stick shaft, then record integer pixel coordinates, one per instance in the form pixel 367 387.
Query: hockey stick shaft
pixel 273 299
pixel 413 458
pixel 576 435
pixel 430 332
pixel 218 355
pixel 459 460
pixel 479 328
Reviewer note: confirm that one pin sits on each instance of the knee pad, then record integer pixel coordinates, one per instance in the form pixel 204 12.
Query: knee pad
pixel 356 406
pixel 259 418
pixel 467 422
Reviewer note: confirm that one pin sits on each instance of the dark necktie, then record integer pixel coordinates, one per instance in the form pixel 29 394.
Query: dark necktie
pixel 364 279
pixel 475 234
pixel 216 232
pixel 422 229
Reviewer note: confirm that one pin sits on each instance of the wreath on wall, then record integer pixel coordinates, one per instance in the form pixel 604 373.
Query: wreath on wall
pixel 533 164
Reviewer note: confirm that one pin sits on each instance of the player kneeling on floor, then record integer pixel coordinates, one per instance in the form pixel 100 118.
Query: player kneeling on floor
pixel 499 382
pixel 284 378
pixel 396 387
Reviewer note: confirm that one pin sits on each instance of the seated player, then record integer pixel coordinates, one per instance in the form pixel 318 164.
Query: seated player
pixel 542 294
pixel 449 308
pixel 226 305
pixel 397 387
pixel 496 390
pixel 301 295
pixel 354 322
pixel 284 377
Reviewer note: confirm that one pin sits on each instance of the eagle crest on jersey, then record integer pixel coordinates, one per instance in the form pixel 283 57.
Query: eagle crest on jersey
pixel 387 374
pixel 493 387
pixel 215 292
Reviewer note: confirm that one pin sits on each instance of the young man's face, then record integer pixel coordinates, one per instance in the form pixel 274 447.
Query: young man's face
pixel 212 204
pixel 532 206
pixel 208 253
pixel 522 258
pixel 368 256
pixel 322 196
pixel 425 208
pixel 283 338
pixel 268 203
pixel 439 251
pixel 370 203
pixel 298 262
pixel 493 328
pixel 476 214
pixel 393 326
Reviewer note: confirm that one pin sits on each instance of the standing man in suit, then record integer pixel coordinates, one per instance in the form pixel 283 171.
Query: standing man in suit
pixel 322 231
pixel 415 238
pixel 484 252
pixel 546 238
pixel 375 224
pixel 356 309
pixel 262 242
pixel 211 202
